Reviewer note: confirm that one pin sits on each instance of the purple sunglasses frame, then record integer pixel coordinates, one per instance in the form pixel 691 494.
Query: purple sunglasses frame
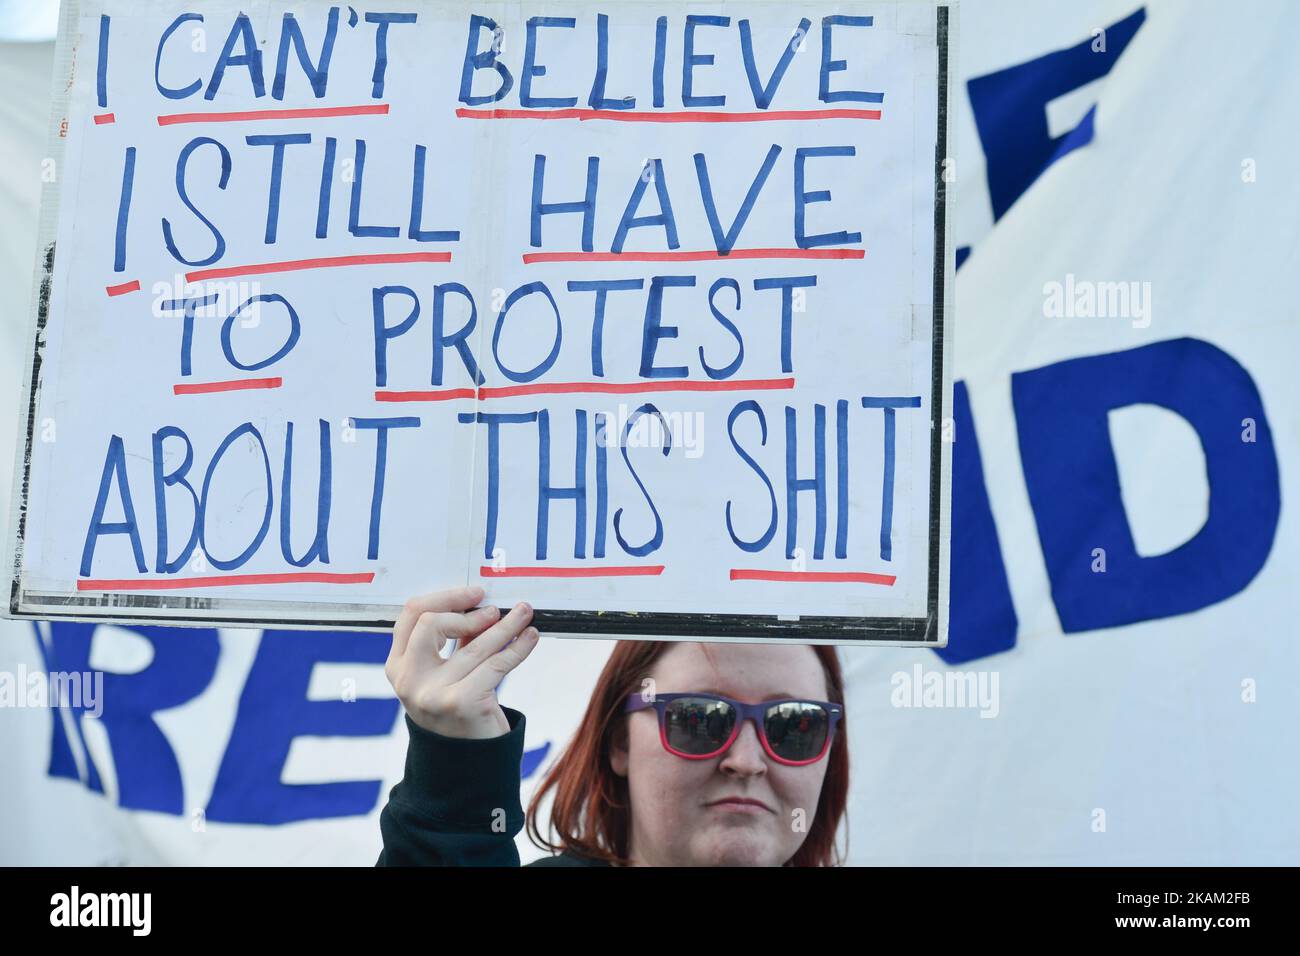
pixel 755 712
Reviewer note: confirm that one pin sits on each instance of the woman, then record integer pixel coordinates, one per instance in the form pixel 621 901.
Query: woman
pixel 688 755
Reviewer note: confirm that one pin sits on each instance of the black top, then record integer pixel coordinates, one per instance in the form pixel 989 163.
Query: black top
pixel 458 803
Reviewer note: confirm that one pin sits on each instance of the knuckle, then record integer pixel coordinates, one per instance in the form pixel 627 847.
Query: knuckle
pixel 473 651
pixel 429 622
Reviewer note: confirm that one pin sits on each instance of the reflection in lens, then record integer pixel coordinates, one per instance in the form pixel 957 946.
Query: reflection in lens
pixel 797 730
pixel 698 725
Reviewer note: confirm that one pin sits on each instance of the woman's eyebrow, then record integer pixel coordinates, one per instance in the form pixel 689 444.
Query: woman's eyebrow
pixel 779 695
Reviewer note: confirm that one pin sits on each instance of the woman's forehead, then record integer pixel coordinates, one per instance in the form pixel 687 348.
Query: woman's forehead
pixel 746 671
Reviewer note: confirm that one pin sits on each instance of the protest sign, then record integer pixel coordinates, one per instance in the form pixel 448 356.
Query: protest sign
pixel 636 311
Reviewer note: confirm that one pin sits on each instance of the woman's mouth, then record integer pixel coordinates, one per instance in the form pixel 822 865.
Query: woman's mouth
pixel 740 805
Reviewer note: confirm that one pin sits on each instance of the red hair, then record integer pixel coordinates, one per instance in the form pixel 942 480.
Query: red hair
pixel 591 816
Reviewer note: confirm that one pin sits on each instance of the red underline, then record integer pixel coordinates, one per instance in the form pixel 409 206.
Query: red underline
pixel 103 118
pixel 231 386
pixel 487 571
pixel 223 580
pixel 606 388
pixel 707 255
pixel 125 287
pixel 632 388
pixel 441 395
pixel 377 109
pixel 681 116
pixel 861 577
pixel 332 262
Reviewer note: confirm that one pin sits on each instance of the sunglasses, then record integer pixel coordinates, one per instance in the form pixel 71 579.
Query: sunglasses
pixel 701 726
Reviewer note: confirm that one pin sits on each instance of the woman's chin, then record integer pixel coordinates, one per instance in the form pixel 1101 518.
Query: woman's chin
pixel 737 849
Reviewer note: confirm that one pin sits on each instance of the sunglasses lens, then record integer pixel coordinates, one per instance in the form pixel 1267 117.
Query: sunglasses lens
pixel 697 725
pixel 797 730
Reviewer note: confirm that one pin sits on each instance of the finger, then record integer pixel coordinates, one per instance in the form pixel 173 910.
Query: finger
pixel 486 676
pixel 452 599
pixel 434 628
pixel 470 656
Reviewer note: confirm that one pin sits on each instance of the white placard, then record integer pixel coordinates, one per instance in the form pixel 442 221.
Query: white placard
pixel 633 311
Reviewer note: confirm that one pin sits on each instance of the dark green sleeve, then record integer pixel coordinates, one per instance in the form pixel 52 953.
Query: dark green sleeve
pixel 458 802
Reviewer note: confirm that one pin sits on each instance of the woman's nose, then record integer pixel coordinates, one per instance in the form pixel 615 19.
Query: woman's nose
pixel 746 755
